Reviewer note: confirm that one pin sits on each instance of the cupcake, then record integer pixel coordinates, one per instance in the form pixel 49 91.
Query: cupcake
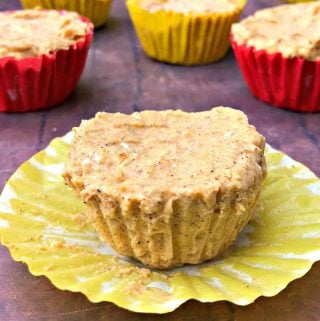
pixel 168 187
pixel 42 55
pixel 278 51
pixel 296 1
pixel 95 10
pixel 186 32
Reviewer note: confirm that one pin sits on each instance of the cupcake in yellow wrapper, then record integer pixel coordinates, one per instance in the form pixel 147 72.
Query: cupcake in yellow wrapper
pixel 180 199
pixel 95 10
pixel 42 224
pixel 184 32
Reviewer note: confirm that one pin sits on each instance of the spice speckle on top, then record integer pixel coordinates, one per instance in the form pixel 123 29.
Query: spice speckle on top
pixel 191 6
pixel 293 30
pixel 168 187
pixel 31 33
pixel 122 152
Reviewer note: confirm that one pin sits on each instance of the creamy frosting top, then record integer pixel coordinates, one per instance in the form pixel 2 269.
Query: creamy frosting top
pixel 190 6
pixel 293 30
pixel 30 33
pixel 168 151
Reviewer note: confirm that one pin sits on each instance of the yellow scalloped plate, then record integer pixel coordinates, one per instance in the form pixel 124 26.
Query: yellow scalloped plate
pixel 42 224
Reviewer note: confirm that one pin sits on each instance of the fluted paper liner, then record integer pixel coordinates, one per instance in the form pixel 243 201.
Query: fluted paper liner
pixel 290 83
pixel 30 84
pixel 42 224
pixel 186 39
pixel 95 10
pixel 187 233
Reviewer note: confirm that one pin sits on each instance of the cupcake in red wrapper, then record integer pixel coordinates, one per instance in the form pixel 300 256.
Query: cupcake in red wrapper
pixel 42 56
pixel 278 51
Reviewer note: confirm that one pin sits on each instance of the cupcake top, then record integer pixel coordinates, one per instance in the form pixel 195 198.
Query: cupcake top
pixel 293 30
pixel 160 153
pixel 190 6
pixel 31 33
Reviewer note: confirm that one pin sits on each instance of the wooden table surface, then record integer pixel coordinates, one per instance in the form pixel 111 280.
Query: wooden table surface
pixel 119 77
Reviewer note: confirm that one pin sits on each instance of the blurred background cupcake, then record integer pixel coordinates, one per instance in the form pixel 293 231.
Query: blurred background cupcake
pixel 296 1
pixel 186 32
pixel 42 56
pixel 278 51
pixel 95 10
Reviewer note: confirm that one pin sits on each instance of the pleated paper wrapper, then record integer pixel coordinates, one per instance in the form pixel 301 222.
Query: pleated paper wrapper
pixel 186 39
pixel 96 11
pixel 42 224
pixel 290 83
pixel 35 83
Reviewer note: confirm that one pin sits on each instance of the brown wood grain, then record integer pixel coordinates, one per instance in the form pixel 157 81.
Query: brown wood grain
pixel 119 77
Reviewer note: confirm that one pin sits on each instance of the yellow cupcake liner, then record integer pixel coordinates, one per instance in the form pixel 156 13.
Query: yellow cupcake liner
pixel 95 10
pixel 186 39
pixel 42 224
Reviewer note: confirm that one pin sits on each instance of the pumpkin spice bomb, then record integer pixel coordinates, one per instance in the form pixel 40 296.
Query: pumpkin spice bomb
pixel 278 52
pixel 292 30
pixel 189 6
pixel 31 33
pixel 97 11
pixel 186 32
pixel 42 55
pixel 169 187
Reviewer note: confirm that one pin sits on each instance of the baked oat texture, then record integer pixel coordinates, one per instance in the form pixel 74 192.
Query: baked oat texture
pixel 35 32
pixel 169 187
pixel 292 29
pixel 191 6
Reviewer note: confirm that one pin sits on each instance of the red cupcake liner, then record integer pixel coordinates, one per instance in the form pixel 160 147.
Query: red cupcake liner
pixel 290 83
pixel 35 83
